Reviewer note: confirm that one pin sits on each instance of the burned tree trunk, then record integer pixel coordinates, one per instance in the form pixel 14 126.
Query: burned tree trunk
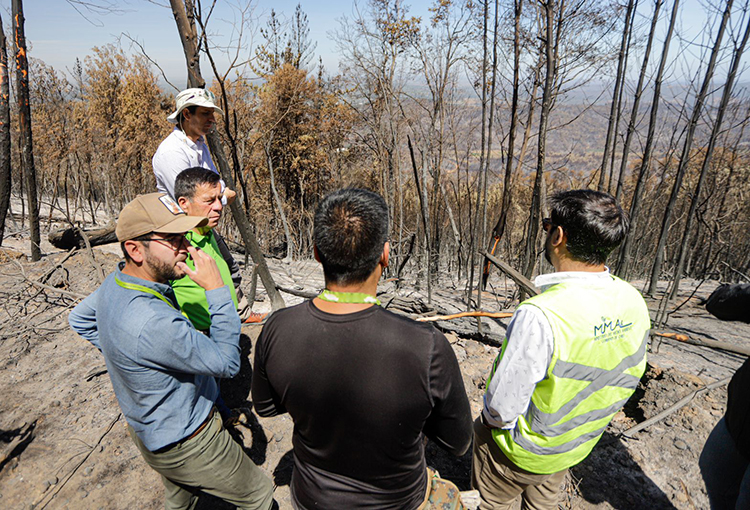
pixel 72 237
pixel 536 198
pixel 499 230
pixel 636 103
pixel 277 199
pixel 477 233
pixel 619 82
pixel 425 213
pixel 184 16
pixel 4 133
pixel 707 158
pixel 623 266
pixel 685 155
pixel 24 125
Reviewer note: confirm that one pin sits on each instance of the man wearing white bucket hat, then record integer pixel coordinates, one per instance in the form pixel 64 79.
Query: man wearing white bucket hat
pixel 186 146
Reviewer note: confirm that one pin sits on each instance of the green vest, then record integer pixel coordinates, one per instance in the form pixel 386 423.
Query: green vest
pixel 600 334
pixel 191 296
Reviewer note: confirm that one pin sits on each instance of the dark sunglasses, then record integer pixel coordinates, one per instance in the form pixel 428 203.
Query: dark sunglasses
pixel 174 240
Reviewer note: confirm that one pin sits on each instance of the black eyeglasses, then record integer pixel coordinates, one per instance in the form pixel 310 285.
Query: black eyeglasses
pixel 174 240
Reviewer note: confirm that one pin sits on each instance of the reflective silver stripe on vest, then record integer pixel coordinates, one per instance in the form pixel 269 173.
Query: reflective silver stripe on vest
pixel 568 370
pixel 545 423
pixel 542 428
pixel 552 450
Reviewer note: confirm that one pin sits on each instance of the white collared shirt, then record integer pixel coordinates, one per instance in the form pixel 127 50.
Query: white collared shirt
pixel 527 356
pixel 177 153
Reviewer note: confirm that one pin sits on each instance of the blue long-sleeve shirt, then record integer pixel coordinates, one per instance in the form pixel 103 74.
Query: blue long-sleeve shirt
pixel 162 369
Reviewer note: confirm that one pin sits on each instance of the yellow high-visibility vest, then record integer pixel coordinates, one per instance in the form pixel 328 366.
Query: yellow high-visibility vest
pixel 600 333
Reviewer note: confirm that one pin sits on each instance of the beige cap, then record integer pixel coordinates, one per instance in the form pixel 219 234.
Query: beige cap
pixel 155 212
pixel 193 97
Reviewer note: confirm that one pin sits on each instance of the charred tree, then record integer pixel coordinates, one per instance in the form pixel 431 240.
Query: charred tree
pixel 687 146
pixel 637 102
pixel 549 80
pixel 499 229
pixel 476 238
pixel 726 94
pixel 619 80
pixel 277 198
pixel 5 181
pixel 623 266
pixel 24 126
pixel 481 239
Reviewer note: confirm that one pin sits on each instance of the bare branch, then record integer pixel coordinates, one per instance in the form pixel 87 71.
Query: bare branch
pixel 98 8
pixel 135 42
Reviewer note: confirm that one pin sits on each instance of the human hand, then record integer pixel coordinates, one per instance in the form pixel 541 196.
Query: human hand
pixel 206 272
pixel 230 195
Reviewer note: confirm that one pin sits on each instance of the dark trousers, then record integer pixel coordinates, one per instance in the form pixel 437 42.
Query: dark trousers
pixel 725 471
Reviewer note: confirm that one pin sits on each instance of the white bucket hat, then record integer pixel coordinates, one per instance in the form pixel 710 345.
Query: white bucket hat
pixel 194 97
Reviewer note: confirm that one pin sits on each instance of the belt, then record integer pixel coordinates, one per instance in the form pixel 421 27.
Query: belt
pixel 191 436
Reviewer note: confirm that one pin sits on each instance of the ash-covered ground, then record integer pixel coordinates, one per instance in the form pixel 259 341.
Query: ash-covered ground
pixel 80 455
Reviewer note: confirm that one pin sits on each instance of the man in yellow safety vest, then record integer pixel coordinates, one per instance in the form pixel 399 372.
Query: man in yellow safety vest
pixel 572 357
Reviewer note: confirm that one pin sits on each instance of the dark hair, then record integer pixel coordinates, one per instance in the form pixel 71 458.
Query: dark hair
pixel 189 179
pixel 144 239
pixel 593 222
pixel 192 109
pixel 351 227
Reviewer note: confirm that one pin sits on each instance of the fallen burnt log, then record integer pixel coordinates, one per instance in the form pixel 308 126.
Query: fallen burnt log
pixel 703 342
pixel 73 237
pixel 478 313
pixel 515 275
pixel 674 407
pixel 307 294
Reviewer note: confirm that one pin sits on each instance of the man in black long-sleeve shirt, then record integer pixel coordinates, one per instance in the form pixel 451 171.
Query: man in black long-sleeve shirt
pixel 361 384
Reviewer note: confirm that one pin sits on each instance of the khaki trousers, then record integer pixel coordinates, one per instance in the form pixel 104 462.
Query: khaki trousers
pixel 499 481
pixel 211 462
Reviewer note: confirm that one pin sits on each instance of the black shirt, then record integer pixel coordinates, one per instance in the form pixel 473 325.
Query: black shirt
pixel 361 389
pixel 738 409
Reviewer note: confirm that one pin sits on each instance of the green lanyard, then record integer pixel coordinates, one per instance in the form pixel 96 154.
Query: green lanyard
pixel 348 297
pixel 141 288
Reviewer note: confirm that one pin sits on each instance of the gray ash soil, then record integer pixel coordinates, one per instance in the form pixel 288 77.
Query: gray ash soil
pixel 81 457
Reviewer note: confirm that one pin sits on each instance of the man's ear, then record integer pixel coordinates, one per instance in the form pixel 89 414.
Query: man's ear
pixel 559 238
pixel 386 254
pixel 316 254
pixel 183 202
pixel 136 250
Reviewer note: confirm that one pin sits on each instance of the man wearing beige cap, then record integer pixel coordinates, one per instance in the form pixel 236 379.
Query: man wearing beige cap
pixel 162 369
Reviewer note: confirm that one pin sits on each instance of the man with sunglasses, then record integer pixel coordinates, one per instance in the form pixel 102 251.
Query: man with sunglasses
pixel 162 369
pixel 572 357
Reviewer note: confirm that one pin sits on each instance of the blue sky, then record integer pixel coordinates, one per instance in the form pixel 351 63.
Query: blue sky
pixel 58 34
